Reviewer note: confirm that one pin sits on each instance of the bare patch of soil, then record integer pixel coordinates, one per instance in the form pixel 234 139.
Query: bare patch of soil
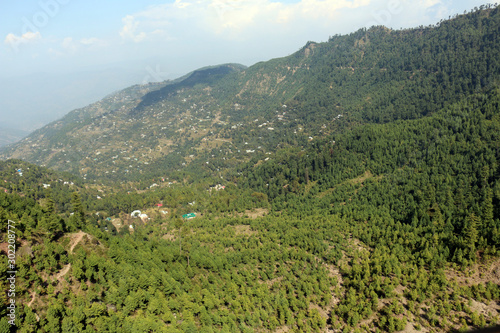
pixel 273 281
pixel 33 297
pixel 63 272
pixel 334 272
pixel 282 329
pixel 482 273
pixel 255 213
pixel 4 248
pixel 323 312
pixel 169 236
pixel 75 239
pixel 361 178
pixel 484 308
pixel 411 329
pixel 117 223
pixel 357 180
pixel 244 230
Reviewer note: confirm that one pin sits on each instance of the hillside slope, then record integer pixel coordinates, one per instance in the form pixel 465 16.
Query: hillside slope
pixel 393 227
pixel 353 186
pixel 214 118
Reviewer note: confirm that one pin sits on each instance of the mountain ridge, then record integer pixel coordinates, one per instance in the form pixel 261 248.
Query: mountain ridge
pixel 371 75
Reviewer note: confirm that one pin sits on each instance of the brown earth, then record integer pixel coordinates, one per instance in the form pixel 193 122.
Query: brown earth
pixel 255 213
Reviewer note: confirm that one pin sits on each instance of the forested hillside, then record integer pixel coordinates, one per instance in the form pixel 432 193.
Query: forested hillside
pixel 229 114
pixel 372 204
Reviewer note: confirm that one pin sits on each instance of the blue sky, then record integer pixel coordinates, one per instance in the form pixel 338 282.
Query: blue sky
pixel 66 35
pixel 157 40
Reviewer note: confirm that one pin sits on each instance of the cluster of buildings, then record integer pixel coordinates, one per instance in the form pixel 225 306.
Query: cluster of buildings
pixel 217 187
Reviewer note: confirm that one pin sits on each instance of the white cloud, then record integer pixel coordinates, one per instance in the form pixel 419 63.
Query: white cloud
pixel 430 3
pixel 240 20
pixel 129 29
pixel 411 13
pixel 68 44
pixel 201 32
pixel 233 19
pixel 320 9
pixel 61 48
pixel 55 52
pixel 181 4
pixel 13 40
pixel 90 41
pixel 93 43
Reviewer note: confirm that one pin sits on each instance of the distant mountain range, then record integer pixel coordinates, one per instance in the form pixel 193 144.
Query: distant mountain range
pixel 29 102
pixel 9 135
pixel 214 118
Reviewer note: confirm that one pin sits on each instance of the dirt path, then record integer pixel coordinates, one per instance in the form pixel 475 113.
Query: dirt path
pixel 223 140
pixel 75 239
pixel 33 295
pixel 255 213
pixel 63 272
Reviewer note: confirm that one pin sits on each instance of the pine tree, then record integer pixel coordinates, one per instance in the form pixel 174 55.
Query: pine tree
pixel 50 207
pixel 179 223
pixel 4 325
pixel 437 219
pixel 487 214
pixel 470 232
pixel 78 211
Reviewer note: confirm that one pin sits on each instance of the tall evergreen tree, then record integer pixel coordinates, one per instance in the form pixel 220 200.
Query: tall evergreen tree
pixel 78 211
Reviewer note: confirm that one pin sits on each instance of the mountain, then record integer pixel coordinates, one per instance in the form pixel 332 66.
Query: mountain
pixel 27 101
pixel 11 135
pixel 357 190
pixel 370 76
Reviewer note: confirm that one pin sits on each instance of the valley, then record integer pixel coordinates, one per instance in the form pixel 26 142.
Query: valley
pixel 352 186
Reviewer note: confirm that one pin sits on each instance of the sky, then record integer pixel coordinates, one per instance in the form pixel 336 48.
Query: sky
pixel 48 46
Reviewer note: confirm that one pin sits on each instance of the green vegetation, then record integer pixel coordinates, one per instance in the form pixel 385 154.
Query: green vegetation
pixel 387 219
pixel 226 115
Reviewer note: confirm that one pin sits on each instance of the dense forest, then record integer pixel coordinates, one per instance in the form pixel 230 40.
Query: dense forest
pixel 387 221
